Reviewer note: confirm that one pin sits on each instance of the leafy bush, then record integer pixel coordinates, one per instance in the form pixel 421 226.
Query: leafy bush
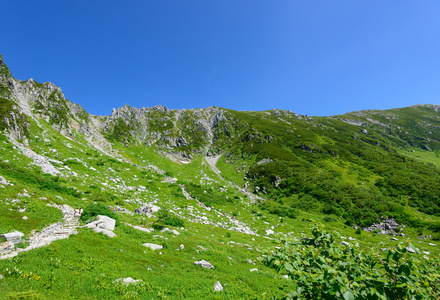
pixel 174 221
pixel 329 219
pixel 93 210
pixel 320 268
pixel 166 219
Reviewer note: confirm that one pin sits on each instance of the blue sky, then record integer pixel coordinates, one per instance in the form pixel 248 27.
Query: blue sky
pixel 311 57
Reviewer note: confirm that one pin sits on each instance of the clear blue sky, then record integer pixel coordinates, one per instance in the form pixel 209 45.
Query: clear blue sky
pixel 311 57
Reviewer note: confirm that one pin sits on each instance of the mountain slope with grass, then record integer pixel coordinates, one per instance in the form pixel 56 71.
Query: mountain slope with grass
pixel 205 184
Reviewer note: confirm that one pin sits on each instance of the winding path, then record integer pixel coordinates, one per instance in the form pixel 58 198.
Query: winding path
pixel 47 235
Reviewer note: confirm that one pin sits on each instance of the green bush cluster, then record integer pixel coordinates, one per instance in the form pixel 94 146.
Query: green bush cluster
pixel 94 210
pixel 320 268
pixel 165 218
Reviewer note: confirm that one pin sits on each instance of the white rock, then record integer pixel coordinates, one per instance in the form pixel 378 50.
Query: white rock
pixel 344 243
pixel 109 222
pixel 218 287
pixel 410 250
pixel 105 231
pixel 269 232
pixel 128 280
pixel 253 270
pixel 430 244
pixel 204 264
pixel 153 246
pixel 393 239
pixel 13 237
pixel 175 232
pixel 25 218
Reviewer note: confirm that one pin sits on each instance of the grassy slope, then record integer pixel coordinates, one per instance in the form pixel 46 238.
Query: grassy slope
pixel 85 265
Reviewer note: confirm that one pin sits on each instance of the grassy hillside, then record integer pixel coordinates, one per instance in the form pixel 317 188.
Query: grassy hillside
pixel 232 181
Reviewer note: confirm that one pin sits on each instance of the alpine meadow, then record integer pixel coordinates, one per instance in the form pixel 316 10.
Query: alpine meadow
pixel 212 203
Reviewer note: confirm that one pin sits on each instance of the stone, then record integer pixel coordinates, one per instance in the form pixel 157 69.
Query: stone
pixel 175 232
pixel 253 270
pixel 218 287
pixel 109 222
pixel 394 239
pixel 204 264
pixel 269 232
pixel 128 280
pixel 105 231
pixel 344 243
pixel 153 246
pixel 13 237
pixel 149 230
pixel 410 250
pixel 386 226
pixel 25 218
pixel 1 277
pixel 430 244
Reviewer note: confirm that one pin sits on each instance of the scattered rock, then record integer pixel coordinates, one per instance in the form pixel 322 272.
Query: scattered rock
pixel 153 246
pixel 128 280
pixel 344 243
pixel 254 270
pixel 386 226
pixel 204 264
pixel 394 239
pixel 25 218
pixel 410 250
pixel 269 231
pixel 105 231
pixel 431 244
pixel 218 287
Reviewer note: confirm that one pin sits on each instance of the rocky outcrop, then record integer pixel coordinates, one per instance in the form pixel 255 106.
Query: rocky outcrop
pixel 386 226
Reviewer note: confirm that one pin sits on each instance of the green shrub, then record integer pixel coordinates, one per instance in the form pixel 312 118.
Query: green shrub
pixel 329 219
pixel 157 226
pixel 358 231
pixel 174 221
pixel 93 210
pixel 321 268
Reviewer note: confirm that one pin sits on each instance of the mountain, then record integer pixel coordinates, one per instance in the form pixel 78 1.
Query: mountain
pixel 253 173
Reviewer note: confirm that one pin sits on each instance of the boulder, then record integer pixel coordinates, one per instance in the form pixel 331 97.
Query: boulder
pixel 218 287
pixel 204 264
pixel 153 246
pixel 13 237
pixel 105 231
pixel 109 222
